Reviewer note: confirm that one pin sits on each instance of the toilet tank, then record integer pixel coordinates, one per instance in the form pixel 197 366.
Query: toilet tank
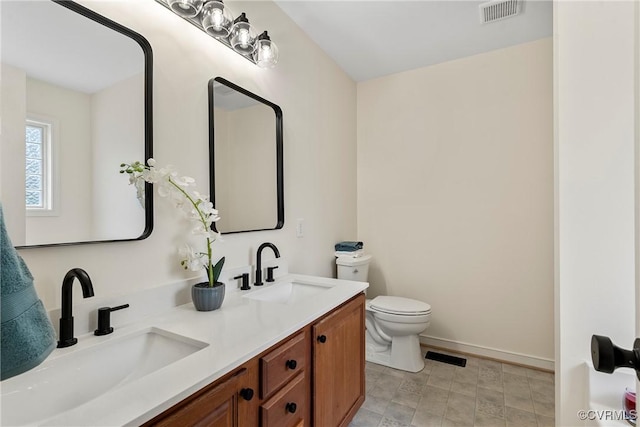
pixel 350 268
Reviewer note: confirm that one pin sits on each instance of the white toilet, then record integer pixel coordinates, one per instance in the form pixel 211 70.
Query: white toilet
pixel 393 323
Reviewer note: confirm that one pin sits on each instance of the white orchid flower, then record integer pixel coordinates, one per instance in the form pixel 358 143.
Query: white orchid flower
pixel 191 260
pixel 184 181
pixel 196 207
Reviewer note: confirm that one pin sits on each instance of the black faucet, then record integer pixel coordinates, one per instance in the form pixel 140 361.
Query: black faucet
pixel 66 319
pixel 259 261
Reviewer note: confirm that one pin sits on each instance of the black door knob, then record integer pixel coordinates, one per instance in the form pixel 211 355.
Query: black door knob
pixel 322 339
pixel 607 356
pixel 246 393
pixel 291 364
pixel 292 407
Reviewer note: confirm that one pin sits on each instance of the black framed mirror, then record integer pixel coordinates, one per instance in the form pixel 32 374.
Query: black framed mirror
pixel 245 159
pixel 76 103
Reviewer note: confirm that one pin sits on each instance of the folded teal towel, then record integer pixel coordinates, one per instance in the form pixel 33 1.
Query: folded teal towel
pixel 26 334
pixel 349 246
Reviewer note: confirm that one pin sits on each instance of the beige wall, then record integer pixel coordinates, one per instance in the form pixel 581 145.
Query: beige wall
pixel 319 104
pixel 454 176
pixel 455 197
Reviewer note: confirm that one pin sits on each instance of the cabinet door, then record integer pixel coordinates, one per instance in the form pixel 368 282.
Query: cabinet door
pixel 217 405
pixel 338 363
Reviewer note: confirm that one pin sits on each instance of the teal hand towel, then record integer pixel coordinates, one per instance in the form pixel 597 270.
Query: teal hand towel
pixel 27 336
pixel 349 246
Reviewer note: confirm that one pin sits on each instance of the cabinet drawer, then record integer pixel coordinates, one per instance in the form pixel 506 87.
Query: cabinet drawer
pixel 283 363
pixel 287 407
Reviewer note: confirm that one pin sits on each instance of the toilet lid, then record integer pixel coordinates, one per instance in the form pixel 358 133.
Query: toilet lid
pixel 399 305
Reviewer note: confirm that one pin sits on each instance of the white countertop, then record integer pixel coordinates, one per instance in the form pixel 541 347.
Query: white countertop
pixel 605 396
pixel 241 329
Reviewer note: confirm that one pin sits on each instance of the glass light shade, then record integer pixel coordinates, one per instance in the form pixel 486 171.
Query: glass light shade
pixel 186 8
pixel 216 19
pixel 265 54
pixel 243 38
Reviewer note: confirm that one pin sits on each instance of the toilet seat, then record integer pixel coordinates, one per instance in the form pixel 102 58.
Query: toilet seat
pixel 399 306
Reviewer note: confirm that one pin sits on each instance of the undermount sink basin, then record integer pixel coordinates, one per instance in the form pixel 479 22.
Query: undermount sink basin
pixel 70 380
pixel 287 292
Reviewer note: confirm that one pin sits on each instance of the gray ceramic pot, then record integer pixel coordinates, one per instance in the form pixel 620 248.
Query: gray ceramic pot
pixel 206 298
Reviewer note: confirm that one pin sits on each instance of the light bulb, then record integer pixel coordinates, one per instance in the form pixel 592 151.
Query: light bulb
pixel 216 19
pixel 243 37
pixel 266 52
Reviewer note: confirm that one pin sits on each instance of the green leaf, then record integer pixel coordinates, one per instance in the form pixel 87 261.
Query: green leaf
pixel 217 269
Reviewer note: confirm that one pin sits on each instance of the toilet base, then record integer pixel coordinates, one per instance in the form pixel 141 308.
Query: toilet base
pixel 403 353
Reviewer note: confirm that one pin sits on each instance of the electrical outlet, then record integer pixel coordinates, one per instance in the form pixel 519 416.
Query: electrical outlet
pixel 300 228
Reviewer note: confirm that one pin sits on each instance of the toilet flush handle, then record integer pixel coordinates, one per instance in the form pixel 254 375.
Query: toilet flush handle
pixel 355 271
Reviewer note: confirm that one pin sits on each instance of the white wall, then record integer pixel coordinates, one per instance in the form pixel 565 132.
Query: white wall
pixel 318 102
pixel 594 144
pixel 117 133
pixel 455 197
pixel 13 87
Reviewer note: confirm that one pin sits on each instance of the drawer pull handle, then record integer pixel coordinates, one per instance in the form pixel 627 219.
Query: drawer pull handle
pixel 292 407
pixel 322 339
pixel 246 393
pixel 291 364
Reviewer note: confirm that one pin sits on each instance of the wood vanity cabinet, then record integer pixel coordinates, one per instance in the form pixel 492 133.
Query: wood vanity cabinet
pixel 315 377
pixel 338 364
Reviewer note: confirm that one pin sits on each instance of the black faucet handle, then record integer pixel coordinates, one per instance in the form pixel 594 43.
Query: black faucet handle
pixel 245 281
pixel 270 273
pixel 104 319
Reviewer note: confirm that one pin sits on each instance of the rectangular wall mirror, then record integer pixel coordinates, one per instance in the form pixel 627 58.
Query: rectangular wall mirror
pixel 76 103
pixel 246 159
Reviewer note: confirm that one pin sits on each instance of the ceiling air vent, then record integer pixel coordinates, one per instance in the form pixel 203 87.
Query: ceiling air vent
pixel 496 10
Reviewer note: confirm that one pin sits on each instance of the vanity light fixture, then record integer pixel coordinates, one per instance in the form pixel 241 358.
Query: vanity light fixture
pixel 266 52
pixel 243 36
pixel 214 18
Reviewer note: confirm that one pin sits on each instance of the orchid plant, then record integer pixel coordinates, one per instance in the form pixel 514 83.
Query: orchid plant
pixel 197 208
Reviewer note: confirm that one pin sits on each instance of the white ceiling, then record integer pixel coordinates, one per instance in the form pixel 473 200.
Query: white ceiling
pixel 366 38
pixel 374 38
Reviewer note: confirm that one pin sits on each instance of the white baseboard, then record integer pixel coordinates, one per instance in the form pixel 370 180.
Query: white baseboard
pixel 492 353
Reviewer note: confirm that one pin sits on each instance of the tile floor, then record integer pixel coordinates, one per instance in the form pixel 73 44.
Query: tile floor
pixel 484 393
